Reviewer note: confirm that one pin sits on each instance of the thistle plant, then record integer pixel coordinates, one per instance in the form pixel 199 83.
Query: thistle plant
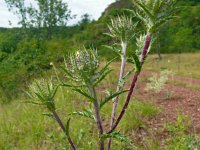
pixel 84 74
pixel 122 30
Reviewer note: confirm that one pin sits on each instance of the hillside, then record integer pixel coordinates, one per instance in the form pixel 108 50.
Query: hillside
pixel 25 56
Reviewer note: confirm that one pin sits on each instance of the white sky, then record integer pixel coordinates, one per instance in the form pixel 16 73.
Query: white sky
pixel 78 7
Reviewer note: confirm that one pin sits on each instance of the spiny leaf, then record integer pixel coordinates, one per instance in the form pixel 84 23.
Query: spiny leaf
pixel 107 99
pixel 124 78
pixel 91 99
pixel 160 22
pixel 84 113
pixel 116 135
pixel 145 9
pixel 71 85
pixel 114 49
pixel 137 63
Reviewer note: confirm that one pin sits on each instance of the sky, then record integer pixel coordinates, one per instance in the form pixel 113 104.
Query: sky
pixel 78 7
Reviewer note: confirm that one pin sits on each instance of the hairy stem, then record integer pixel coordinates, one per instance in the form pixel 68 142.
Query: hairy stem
pixel 123 63
pixel 134 81
pixel 97 117
pixel 64 130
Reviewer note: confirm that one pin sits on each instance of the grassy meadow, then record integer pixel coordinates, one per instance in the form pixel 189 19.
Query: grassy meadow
pixel 24 126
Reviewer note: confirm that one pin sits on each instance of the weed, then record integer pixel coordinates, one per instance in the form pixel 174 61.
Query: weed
pixel 157 83
pixel 180 137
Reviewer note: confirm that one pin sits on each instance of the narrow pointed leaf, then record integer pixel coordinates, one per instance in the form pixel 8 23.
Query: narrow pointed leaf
pixel 48 115
pixel 117 51
pixel 137 63
pixel 91 99
pixel 124 78
pixel 102 77
pixel 116 135
pixel 85 113
pixel 107 99
pixel 145 10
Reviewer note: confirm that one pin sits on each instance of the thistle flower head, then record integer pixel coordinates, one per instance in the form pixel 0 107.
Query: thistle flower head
pixel 122 28
pixel 83 61
pixel 83 67
pixel 42 92
pixel 86 60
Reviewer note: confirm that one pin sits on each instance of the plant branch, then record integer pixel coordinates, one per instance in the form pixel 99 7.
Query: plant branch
pixel 64 130
pixel 97 117
pixel 134 81
pixel 123 63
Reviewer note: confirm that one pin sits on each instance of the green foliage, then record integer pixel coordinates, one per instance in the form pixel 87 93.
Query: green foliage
pixel 180 140
pixel 85 113
pixel 47 15
pixel 181 125
pixel 137 63
pixel 154 13
pixel 184 143
pixel 116 135
pixel 111 97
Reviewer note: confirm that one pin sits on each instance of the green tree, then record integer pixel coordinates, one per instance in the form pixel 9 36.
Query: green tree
pixel 18 7
pixel 47 15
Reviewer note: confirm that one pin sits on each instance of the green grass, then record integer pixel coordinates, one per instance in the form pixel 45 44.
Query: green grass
pixel 185 85
pixel 137 115
pixel 186 64
pixel 179 139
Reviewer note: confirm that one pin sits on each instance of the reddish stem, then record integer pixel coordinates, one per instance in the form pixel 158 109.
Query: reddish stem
pixel 134 81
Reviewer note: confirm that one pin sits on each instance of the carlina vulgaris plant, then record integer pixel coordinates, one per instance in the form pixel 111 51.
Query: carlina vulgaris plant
pixel 153 13
pixel 42 92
